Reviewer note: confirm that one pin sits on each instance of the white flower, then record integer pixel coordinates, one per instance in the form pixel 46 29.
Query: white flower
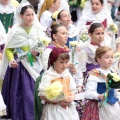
pixel 15 3
pixel 116 78
pixel 74 43
pixel 55 14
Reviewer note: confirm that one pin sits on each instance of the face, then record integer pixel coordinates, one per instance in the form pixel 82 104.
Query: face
pixel 106 60
pixel 56 5
pixel 60 65
pixel 65 18
pixel 61 36
pixel 96 6
pixel 97 36
pixel 28 17
pixel 4 2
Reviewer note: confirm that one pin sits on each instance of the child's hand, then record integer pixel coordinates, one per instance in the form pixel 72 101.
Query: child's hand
pixel 71 98
pixel 101 97
pixel 63 103
pixel 72 68
pixel 79 89
pixel 13 64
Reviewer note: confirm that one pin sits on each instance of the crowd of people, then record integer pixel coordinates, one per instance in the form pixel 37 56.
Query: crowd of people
pixel 48 60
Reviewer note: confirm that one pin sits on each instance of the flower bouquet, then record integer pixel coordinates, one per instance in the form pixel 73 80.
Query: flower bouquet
pixel 113 81
pixel 73 45
pixel 58 90
pixel 113 27
pixel 84 35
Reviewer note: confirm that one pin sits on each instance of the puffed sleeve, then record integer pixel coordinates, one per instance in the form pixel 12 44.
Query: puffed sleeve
pixel 91 88
pixel 9 53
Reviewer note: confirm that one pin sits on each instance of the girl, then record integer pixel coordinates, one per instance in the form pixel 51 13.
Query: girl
pixel 7 14
pixel 97 11
pixel 58 63
pixel 59 39
pixel 86 57
pixel 96 87
pixel 48 8
pixel 21 73
pixel 64 18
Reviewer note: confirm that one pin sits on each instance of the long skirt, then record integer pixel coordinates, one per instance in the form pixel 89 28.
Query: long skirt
pixel 91 111
pixel 18 93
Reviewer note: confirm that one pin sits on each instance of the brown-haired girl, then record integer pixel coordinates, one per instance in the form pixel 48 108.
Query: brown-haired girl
pixel 96 88
pixel 60 109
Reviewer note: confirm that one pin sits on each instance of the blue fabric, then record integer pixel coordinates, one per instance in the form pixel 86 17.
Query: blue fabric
pixel 18 93
pixel 70 39
pixel 101 88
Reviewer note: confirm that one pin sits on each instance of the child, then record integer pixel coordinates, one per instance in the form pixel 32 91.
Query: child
pixel 7 14
pixel 86 56
pixel 96 87
pixel 97 11
pixel 64 18
pixel 48 8
pixel 21 73
pixel 61 109
pixel 59 39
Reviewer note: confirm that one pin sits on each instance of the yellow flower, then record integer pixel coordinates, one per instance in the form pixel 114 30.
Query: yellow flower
pixel 116 78
pixel 45 41
pixel 74 43
pixel 53 91
pixel 55 14
pixel 15 3
pixel 113 27
pixel 117 54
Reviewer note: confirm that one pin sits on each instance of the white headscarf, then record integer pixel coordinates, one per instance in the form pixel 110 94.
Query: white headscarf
pixel 89 13
pixel 11 34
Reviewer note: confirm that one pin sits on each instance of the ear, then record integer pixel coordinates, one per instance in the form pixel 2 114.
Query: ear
pixel 98 60
pixel 59 20
pixel 20 16
pixel 90 34
pixel 55 37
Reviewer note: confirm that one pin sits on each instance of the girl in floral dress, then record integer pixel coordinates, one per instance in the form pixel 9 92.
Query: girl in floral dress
pixel 58 109
pixel 98 107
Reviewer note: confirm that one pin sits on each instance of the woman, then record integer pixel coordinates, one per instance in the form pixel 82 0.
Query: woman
pixel 21 73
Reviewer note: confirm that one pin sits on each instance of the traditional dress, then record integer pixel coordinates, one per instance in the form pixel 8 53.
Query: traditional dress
pixel 2 43
pixel 104 17
pixel 72 34
pixel 86 62
pixel 19 83
pixel 7 16
pixel 45 19
pixel 97 85
pixel 56 111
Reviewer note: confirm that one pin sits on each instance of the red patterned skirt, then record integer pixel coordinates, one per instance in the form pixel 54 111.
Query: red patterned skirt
pixel 91 111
